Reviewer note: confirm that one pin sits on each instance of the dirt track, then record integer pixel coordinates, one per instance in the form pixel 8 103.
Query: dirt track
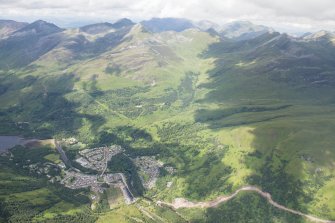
pixel 183 203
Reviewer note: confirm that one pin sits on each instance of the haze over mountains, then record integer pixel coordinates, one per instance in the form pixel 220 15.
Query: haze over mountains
pixel 234 29
pixel 211 108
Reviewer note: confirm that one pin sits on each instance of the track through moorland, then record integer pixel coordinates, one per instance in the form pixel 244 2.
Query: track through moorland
pixel 184 203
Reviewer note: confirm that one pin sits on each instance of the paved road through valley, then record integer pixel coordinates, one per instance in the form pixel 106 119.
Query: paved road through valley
pixel 62 153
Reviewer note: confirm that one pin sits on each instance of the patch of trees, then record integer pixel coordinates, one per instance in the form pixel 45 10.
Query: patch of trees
pixel 83 217
pixel 186 89
pixel 35 155
pixel 122 163
pixel 113 69
pixel 16 209
pixel 124 136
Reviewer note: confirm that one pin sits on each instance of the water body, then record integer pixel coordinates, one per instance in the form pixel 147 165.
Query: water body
pixel 8 142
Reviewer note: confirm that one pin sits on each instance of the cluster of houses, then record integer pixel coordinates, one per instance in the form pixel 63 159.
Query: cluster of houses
pixel 77 180
pixel 42 169
pixel 97 158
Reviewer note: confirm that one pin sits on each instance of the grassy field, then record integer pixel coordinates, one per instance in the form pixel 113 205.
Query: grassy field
pixel 115 197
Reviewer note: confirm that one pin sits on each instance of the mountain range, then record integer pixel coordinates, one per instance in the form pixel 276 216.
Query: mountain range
pixel 218 107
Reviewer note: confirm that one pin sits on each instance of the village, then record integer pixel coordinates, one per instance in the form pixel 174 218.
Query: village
pixel 77 180
pixel 96 159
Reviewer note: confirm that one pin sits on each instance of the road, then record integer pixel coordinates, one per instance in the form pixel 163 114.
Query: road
pixel 106 154
pixel 124 180
pixel 62 153
pixel 183 203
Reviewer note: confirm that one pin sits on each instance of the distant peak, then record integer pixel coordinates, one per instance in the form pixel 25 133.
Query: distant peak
pixel 318 35
pixel 123 23
pixel 124 20
pixel 242 30
pixel 42 24
pixel 106 26
pixel 206 25
pixel 39 27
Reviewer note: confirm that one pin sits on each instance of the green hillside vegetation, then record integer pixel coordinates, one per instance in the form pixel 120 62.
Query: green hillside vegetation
pixel 26 198
pixel 288 111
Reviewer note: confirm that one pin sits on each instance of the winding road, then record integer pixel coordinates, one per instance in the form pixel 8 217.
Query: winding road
pixel 184 203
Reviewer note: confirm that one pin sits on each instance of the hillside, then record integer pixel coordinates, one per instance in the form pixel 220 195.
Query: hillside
pixel 214 111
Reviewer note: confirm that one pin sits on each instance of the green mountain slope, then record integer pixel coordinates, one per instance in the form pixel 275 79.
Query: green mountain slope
pixel 277 94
